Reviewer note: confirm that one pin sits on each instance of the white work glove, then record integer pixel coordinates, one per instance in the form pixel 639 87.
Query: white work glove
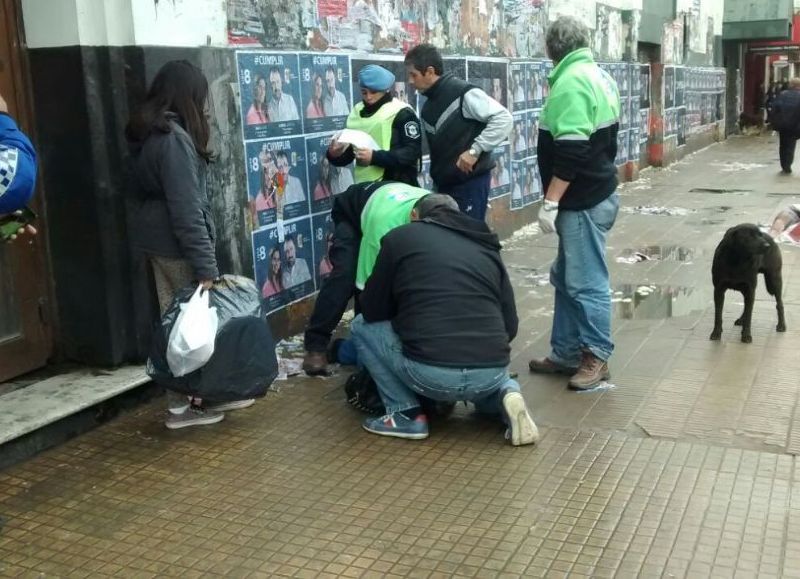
pixel 547 216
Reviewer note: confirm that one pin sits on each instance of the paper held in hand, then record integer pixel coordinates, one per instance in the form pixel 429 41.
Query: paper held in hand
pixel 359 139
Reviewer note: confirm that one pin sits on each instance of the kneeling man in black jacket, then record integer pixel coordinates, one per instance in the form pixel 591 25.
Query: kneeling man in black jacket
pixel 437 316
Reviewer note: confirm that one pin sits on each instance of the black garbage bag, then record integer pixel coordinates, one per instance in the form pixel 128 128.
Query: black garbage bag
pixel 361 393
pixel 244 363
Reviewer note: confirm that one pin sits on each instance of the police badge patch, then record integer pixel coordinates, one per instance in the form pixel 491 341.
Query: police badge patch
pixel 412 130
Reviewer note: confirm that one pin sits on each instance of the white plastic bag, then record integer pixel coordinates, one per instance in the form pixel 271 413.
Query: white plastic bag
pixel 191 341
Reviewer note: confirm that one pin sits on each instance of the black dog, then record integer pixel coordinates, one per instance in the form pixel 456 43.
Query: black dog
pixel 744 252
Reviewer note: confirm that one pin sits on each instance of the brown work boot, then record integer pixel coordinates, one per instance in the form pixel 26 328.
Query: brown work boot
pixel 547 366
pixel 315 364
pixel 592 371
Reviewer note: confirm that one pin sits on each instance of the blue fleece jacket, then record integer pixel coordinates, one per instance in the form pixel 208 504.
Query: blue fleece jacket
pixel 17 166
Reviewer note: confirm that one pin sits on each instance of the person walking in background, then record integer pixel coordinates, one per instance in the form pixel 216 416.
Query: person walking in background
pixel 393 125
pixel 785 118
pixel 17 171
pixel 576 152
pixel 173 225
pixel 461 136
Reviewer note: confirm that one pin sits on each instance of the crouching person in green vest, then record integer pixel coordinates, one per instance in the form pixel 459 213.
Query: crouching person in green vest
pixel 393 125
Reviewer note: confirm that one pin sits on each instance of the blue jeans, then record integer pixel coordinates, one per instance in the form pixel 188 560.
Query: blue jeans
pixel 400 379
pixel 582 318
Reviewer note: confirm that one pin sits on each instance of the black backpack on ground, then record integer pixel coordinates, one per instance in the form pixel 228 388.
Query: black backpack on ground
pixel 362 393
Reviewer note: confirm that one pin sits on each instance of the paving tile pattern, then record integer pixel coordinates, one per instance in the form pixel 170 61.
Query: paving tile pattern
pixel 686 469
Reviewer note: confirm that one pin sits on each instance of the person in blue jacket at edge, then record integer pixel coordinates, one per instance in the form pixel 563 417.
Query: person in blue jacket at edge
pixel 17 170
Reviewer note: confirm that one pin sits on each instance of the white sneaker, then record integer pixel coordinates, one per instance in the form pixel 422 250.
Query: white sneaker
pixel 193 416
pixel 521 427
pixel 232 405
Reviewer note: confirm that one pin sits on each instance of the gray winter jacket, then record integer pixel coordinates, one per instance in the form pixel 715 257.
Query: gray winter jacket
pixel 171 212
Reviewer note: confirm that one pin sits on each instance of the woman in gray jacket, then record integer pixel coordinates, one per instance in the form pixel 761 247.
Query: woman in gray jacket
pixel 173 225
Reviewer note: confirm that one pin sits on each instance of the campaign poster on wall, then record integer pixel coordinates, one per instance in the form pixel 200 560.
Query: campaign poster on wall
pixel 644 124
pixel 536 84
pixel 519 136
pixel 276 180
pixel 669 87
pixel 401 89
pixel 323 241
pixel 492 76
pixel 500 183
pixel 324 178
pixel 680 121
pixel 283 261
pixel 518 174
pixel 625 79
pixel 644 85
pixel 532 127
pixel 532 190
pixel 269 88
pixel 680 86
pixel 325 88
pixel 518 89
pixel 622 137
pixel 634 143
pixel 624 113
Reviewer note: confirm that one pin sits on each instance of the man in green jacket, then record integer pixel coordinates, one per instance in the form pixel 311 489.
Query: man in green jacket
pixel 576 152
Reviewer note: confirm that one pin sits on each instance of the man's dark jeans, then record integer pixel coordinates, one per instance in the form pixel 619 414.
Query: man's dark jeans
pixel 472 197
pixel 788 141
pixel 336 290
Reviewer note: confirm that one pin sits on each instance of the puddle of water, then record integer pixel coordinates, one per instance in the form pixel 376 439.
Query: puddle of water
pixel 715 191
pixel 657 253
pixel 654 210
pixel 656 302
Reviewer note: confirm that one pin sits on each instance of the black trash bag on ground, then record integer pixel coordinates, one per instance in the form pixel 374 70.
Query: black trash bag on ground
pixel 362 393
pixel 244 363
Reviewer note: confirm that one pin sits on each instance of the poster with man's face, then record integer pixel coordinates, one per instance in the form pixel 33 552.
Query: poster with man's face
pixel 518 181
pixel 644 124
pixel 634 144
pixel 269 89
pixel 680 86
pixel 491 76
pixel 532 191
pixel 519 86
pixel 669 87
pixel 276 180
pixel 323 241
pixel 536 84
pixel 283 261
pixel 324 179
pixel 519 136
pixel 622 137
pixel 325 88
pixel 644 88
pixel 681 126
pixel 500 183
pixel 533 131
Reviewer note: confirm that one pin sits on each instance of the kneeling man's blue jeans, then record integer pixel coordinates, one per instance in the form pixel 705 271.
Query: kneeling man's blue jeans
pixel 400 379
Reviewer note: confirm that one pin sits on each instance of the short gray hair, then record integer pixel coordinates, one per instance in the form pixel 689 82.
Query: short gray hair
pixel 566 35
pixel 433 201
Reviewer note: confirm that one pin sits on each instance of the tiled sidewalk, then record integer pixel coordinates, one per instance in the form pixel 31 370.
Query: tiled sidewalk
pixel 686 468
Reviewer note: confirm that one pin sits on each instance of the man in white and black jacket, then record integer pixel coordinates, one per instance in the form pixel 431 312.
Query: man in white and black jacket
pixel 437 318
pixel 463 125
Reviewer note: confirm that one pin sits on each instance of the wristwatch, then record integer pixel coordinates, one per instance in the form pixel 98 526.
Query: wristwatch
pixel 474 152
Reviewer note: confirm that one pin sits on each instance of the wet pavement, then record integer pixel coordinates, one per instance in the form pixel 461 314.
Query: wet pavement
pixel 686 468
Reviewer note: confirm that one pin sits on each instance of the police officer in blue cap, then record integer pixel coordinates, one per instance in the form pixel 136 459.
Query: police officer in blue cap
pixel 17 172
pixel 393 125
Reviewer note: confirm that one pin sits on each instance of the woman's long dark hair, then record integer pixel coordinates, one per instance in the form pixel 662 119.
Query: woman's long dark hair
pixel 181 88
